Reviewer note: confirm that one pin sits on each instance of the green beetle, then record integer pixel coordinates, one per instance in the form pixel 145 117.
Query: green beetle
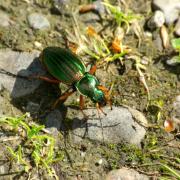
pixel 67 68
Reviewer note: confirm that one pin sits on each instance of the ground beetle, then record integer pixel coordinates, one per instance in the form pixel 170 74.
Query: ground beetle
pixel 67 68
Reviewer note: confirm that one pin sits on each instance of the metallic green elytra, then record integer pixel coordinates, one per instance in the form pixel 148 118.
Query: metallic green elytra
pixel 66 67
pixel 63 65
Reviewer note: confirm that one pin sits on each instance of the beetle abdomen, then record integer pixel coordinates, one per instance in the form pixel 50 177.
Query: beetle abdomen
pixel 63 64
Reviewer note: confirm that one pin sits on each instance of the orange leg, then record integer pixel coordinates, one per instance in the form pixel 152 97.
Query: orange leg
pixel 93 69
pixel 63 97
pixel 99 109
pixel 81 104
pixel 55 81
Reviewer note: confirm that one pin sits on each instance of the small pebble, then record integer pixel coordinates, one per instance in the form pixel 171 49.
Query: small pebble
pixel 174 61
pixel 38 44
pixel 83 154
pixel 99 6
pixel 125 174
pixel 100 161
pixel 4 19
pixel 157 20
pixel 145 60
pixel 38 21
pixel 32 107
pixel 148 34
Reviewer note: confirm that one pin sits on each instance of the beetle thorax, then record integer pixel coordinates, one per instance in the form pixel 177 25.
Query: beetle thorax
pixel 88 86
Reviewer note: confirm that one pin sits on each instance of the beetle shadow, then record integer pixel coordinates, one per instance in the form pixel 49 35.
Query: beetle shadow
pixel 33 95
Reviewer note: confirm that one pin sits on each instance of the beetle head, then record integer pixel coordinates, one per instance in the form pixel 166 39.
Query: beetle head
pixel 99 97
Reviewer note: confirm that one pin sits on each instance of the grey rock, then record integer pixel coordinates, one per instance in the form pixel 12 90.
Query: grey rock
pixel 99 6
pixel 125 174
pixel 157 20
pixel 176 107
pixel 32 107
pixel 38 21
pixel 90 18
pixel 4 19
pixel 170 8
pixel 24 64
pixel 177 27
pixel 157 41
pixel 119 125
pixel 54 119
pixel 53 131
pixel 173 61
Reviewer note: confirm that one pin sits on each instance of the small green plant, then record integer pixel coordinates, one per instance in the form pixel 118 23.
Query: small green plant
pixel 18 156
pixel 171 171
pixel 39 147
pixel 119 16
pixel 176 45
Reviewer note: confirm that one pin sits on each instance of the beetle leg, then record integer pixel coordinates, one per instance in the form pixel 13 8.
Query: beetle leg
pixel 63 97
pixel 55 81
pixel 106 92
pixel 81 104
pixel 93 69
pixel 99 109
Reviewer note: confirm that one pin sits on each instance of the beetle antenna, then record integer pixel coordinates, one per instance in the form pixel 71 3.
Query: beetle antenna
pixel 2 71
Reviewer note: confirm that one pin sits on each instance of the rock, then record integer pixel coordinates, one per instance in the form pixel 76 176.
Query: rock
pixel 145 60
pixel 175 60
pixel 157 41
pixel 176 107
pixel 125 174
pixel 52 131
pixel 61 7
pixel 157 20
pixel 99 6
pixel 177 28
pixel 24 64
pixel 54 119
pixel 119 125
pixel 170 8
pixel 90 18
pixel 32 107
pixel 4 19
pixel 38 21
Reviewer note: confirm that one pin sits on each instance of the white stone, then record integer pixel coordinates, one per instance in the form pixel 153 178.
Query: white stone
pixel 38 21
pixel 170 8
pixel 157 20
